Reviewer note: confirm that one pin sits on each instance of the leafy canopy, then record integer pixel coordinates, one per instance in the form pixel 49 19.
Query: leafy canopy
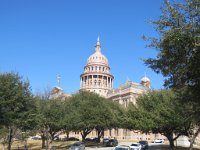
pixel 178 45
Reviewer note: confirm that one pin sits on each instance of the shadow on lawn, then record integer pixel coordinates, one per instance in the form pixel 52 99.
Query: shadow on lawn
pixel 166 147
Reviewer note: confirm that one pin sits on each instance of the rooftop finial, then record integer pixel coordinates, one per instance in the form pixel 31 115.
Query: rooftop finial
pixel 58 80
pixel 98 45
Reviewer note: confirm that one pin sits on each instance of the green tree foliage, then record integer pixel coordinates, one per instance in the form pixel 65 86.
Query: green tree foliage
pixel 178 48
pixel 3 136
pixel 159 112
pixel 49 118
pixel 41 119
pixel 16 104
pixel 87 111
pixel 53 115
pixel 178 44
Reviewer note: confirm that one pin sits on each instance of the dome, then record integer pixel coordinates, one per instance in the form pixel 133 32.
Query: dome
pixel 145 79
pixel 97 57
pixel 97 76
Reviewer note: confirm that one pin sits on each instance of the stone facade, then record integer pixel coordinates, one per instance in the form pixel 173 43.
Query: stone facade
pixel 127 92
pixel 97 78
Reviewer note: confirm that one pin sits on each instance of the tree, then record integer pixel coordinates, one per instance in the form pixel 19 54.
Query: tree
pixel 49 118
pixel 54 115
pixel 3 136
pixel 178 48
pixel 160 112
pixel 178 44
pixel 16 104
pixel 110 116
pixel 87 111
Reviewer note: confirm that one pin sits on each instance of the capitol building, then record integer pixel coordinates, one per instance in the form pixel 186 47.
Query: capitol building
pixel 97 77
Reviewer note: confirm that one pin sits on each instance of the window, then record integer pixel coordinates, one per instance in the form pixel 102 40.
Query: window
pixel 99 83
pixel 95 82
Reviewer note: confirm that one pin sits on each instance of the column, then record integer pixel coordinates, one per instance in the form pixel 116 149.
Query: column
pixel 102 81
pixel 97 80
pixel 85 84
pixel 112 82
pixel 84 81
pixel 92 81
pixel 81 83
pixel 107 81
pixel 87 80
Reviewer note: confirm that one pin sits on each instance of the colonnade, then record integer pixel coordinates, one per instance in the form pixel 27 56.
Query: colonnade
pixel 100 81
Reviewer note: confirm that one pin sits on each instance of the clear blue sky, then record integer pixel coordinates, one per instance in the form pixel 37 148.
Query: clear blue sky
pixel 43 38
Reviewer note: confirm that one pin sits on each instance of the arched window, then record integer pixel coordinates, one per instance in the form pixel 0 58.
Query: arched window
pixel 99 82
pixel 95 82
pixel 90 82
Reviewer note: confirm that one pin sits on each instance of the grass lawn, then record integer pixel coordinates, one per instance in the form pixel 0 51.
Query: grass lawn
pixel 36 144
pixel 166 147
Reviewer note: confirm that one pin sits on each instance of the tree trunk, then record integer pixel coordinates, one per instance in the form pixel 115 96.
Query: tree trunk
pixel 52 134
pixel 67 133
pixel 83 136
pixel 43 140
pixel 10 138
pixel 25 145
pixel 85 133
pixel 100 134
pixel 171 140
pixel 3 146
pixel 193 139
pixel 171 143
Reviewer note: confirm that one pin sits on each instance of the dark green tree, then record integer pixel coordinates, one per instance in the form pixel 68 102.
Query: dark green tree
pixel 110 116
pixel 53 115
pixel 87 111
pixel 159 112
pixel 3 136
pixel 178 56
pixel 178 47
pixel 49 118
pixel 41 120
pixel 16 104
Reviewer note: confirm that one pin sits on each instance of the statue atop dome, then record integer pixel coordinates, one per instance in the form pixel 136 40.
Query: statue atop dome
pixel 98 45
